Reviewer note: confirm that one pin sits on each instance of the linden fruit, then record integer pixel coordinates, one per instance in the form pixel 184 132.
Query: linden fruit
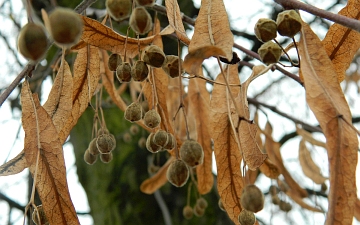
pixel 43 219
pixel 265 29
pixel 139 71
pixel 114 61
pixel 123 72
pixel 288 23
pixel 252 198
pixel 171 142
pixel 246 217
pixel 140 21
pixel 188 212
pixel 153 56
pixel 192 153
pixel 133 112
pixel 105 143
pixel 171 66
pixel 32 42
pixel 118 9
pixel 161 138
pixel 150 145
pixel 202 203
pixel 270 52
pixel 89 158
pixel 106 158
pixel 152 118
pixel 177 173
pixel 93 149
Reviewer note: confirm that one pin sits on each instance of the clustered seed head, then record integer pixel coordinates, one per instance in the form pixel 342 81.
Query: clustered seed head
pixel 123 72
pixel 65 26
pixel 152 118
pixel 32 42
pixel 265 29
pixel 118 9
pixel 153 55
pixel 246 217
pixel 114 61
pixel 105 143
pixel 89 158
pixel 270 52
pixel 188 212
pixel 133 112
pixel 252 198
pixel 288 23
pixel 139 71
pixel 192 153
pixel 177 173
pixel 145 2
pixel 43 219
pixel 171 66
pixel 150 144
pixel 140 20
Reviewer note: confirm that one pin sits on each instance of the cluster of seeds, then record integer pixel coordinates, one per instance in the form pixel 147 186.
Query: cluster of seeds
pixel 288 23
pixel 252 201
pixel 101 145
pixel 283 205
pixel 198 209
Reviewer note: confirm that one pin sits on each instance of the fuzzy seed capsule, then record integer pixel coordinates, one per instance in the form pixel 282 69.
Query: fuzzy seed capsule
pixel 153 55
pixel 171 66
pixel 265 29
pixel 93 149
pixel 288 23
pixel 275 199
pixel 150 145
pixel 118 9
pixel 177 173
pixel 139 71
pixel 105 143
pixel 171 142
pixel 161 138
pixel 134 129
pixel 106 158
pixel 89 158
pixel 133 112
pixel 285 206
pixel 192 153
pixel 246 217
pixel 114 61
pixel 32 42
pixel 252 198
pixel 270 52
pixel 188 212
pixel 65 26
pixel 152 118
pixel 140 20
pixel 199 212
pixel 123 72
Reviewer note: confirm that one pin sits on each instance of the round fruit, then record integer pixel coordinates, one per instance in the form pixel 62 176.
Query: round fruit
pixel 171 66
pixel 161 138
pixel 89 158
pixel 288 23
pixel 140 20
pixel 118 9
pixel 273 190
pixel 43 219
pixel 177 173
pixel 134 129
pixel 192 153
pixel 32 42
pixel 252 198
pixel 171 142
pixel 150 145
pixel 275 199
pixel 202 203
pixel 285 206
pixel 106 158
pixel 153 55
pixel 93 149
pixel 188 212
pixel 246 217
pixel 127 137
pixel 65 26
pixel 139 71
pixel 152 118
pixel 199 212
pixel 265 29
pixel 133 112
pixel 114 61
pixel 123 72
pixel 105 143
pixel 270 52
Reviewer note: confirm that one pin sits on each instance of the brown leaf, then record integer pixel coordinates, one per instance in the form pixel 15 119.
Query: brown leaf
pixel 309 138
pixel 51 181
pixel 212 28
pixel 199 107
pixel 59 102
pixel 227 155
pixel 308 166
pixel 194 59
pixel 357 209
pixel 14 166
pixel 327 101
pixel 86 78
pixel 269 169
pixel 175 21
pixel 152 184
pixel 300 201
pixel 341 43
pixel 99 35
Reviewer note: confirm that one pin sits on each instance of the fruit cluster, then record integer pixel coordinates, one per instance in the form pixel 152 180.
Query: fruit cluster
pixel 252 201
pixel 283 205
pixel 198 209
pixel 101 145
pixel 288 24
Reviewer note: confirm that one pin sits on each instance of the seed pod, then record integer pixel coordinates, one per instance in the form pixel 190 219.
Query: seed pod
pixel 288 23
pixel 32 42
pixel 275 199
pixel 43 219
pixel 246 217
pixel 140 21
pixel 202 203
pixel 152 118
pixel 192 153
pixel 114 61
pixel 265 29
pixel 105 143
pixel 150 145
pixel 221 205
pixel 199 212
pixel 93 149
pixel 134 129
pixel 118 9
pixel 171 142
pixel 123 72
pixel 145 2
pixel 285 206
pixel 139 71
pixel 273 190
pixel 133 112
pixel 270 52
pixel 142 142
pixel 161 138
pixel 188 212
pixel 171 66
pixel 127 137
pixel 177 173
pixel 65 26
pixel 89 158
pixel 106 158
pixel 153 55
pixel 323 188
pixel 252 198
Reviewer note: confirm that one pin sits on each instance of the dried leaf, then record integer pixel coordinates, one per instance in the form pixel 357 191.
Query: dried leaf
pixel 300 202
pixel 327 101
pixel 175 20
pixel 86 78
pixel 357 209
pixel 51 181
pixel 59 102
pixel 308 166
pixel 152 184
pixel 342 43
pixel 309 138
pixel 14 166
pixel 227 154
pixel 99 35
pixel 199 107
pixel 212 28
pixel 194 59
pixel 269 169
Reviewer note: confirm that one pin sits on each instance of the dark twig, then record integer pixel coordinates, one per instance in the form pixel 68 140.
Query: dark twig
pixel 11 202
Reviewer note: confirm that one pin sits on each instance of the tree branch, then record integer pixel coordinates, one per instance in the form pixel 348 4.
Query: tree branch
pixel 11 202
